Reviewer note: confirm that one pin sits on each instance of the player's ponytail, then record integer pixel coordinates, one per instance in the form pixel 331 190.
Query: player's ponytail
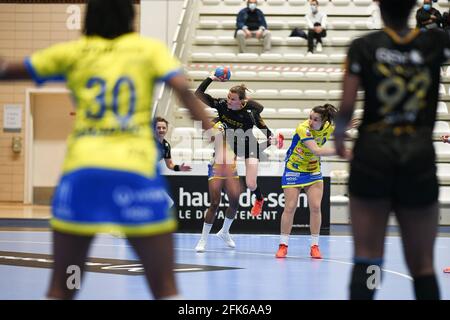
pixel 327 112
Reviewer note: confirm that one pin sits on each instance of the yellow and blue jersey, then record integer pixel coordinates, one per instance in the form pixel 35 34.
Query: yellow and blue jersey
pixel 112 82
pixel 298 157
pixel 110 179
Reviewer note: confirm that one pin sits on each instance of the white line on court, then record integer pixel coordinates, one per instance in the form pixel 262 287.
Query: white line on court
pixel 217 251
pixel 301 258
pixel 238 252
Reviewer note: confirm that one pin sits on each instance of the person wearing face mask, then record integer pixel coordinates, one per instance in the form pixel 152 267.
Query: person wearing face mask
pixel 251 23
pixel 428 17
pixel 238 115
pixel 317 25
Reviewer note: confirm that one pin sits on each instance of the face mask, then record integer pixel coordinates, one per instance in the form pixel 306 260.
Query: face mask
pixel 252 6
pixel 427 7
pixel 313 9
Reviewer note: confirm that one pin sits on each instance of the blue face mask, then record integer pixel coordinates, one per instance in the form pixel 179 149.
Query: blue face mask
pixel 427 7
pixel 252 6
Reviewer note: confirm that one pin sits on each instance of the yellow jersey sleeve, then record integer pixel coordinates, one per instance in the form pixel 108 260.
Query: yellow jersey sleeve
pixel 52 63
pixel 331 130
pixel 304 133
pixel 165 64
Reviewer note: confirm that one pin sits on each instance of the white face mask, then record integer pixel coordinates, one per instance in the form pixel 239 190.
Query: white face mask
pixel 314 9
pixel 252 6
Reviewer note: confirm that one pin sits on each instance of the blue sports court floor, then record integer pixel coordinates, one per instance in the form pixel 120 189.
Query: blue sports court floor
pixel 248 272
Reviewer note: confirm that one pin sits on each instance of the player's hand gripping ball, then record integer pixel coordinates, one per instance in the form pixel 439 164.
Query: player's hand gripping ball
pixel 223 73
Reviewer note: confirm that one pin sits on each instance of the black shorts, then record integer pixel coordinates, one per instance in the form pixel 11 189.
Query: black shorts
pixel 400 168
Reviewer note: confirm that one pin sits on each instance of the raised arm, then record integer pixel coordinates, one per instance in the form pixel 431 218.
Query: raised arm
pixel 180 85
pixel 204 97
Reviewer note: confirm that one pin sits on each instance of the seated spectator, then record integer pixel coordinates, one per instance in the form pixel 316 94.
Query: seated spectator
pixel 251 23
pixel 317 24
pixel 428 17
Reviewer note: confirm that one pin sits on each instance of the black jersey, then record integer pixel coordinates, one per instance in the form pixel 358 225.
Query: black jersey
pixel 400 76
pixel 164 148
pixel 244 119
pixel 393 156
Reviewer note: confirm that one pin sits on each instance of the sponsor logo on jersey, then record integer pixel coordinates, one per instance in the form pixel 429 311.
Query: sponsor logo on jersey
pixel 292 174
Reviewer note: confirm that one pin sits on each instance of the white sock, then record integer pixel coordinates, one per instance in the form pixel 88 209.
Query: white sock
pixel 227 224
pixel 284 239
pixel 205 231
pixel 314 239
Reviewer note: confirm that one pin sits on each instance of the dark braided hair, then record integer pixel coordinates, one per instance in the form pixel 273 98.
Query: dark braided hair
pixel 108 18
pixel 327 113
